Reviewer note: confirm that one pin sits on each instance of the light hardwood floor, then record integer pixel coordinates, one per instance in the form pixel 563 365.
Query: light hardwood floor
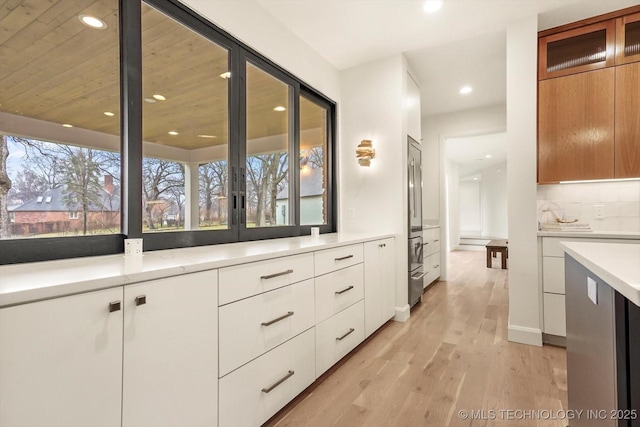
pixel 451 355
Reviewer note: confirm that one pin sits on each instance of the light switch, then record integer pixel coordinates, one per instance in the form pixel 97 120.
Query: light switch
pixel 592 290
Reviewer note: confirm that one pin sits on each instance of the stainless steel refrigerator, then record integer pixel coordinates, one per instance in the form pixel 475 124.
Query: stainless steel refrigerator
pixel 416 266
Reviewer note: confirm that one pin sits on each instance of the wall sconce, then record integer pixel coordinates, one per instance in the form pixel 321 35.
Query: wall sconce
pixel 365 152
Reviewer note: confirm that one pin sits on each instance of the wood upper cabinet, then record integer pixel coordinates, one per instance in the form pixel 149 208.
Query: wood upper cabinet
pixel 578 50
pixel 627 122
pixel 576 127
pixel 628 39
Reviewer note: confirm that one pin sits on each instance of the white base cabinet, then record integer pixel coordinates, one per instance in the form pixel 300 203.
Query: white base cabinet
pixel 431 255
pixel 252 394
pixel 171 352
pixel 61 362
pixel 379 277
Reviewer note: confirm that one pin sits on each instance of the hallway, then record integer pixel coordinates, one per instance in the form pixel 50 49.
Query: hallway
pixel 451 356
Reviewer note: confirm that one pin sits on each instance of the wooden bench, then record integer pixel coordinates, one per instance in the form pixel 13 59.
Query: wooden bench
pixel 495 246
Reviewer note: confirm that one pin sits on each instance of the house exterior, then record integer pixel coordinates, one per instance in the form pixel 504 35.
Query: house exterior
pixel 311 199
pixel 50 212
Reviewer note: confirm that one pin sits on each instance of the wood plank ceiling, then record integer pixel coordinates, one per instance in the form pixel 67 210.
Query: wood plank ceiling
pixel 56 69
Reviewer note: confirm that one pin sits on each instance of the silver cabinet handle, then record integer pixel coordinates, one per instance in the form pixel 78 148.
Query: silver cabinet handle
pixel 420 276
pixel 425 244
pixel 436 266
pixel 382 245
pixel 141 300
pixel 345 335
pixel 437 240
pixel 343 258
pixel 344 290
pixel 271 322
pixel 277 383
pixel 282 273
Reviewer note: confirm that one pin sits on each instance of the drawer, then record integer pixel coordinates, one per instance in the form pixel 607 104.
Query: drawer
pixel 431 241
pixel 245 332
pixel 245 280
pixel 338 335
pixel 334 259
pixel 555 319
pixel 553 275
pixel 338 290
pixel 242 401
pixel 551 245
pixel 434 264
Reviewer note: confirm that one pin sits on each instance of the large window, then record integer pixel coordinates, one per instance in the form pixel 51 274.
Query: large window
pixel 60 116
pixel 126 119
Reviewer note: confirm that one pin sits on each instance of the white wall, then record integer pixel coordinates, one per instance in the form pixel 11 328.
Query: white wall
pixel 621 201
pixel 524 295
pixel 451 221
pixel 494 201
pixel 470 208
pixel 254 26
pixel 371 108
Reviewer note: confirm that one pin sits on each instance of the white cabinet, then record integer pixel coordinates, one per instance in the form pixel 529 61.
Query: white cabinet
pixel 252 394
pixel 334 259
pixel 338 335
pixel 170 352
pixel 141 355
pixel 338 290
pixel 431 254
pixel 252 326
pixel 553 280
pixel 61 362
pixel 379 279
pixel 412 103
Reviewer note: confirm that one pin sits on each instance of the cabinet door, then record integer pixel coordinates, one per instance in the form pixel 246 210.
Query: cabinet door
pixel 575 127
pixel 575 51
pixel 379 287
pixel 61 362
pixel 628 39
pixel 170 352
pixel 627 151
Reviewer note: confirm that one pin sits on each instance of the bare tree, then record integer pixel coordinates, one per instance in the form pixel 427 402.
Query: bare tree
pixel 213 187
pixel 158 178
pixel 265 175
pixel 5 186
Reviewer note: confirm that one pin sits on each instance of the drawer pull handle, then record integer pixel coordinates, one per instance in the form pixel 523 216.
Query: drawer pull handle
pixel 437 240
pixel 344 290
pixel 342 258
pixel 284 316
pixel 419 275
pixel 282 273
pixel 114 306
pixel 436 266
pixel 141 300
pixel 345 335
pixel 280 381
pixel 382 245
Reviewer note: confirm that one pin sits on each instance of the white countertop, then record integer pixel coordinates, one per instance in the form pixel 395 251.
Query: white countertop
pixel 592 234
pixel 21 283
pixel 618 264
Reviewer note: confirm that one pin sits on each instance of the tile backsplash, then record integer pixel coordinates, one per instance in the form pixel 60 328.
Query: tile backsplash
pixel 621 201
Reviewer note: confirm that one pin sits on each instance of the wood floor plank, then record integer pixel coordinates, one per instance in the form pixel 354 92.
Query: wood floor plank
pixel 451 356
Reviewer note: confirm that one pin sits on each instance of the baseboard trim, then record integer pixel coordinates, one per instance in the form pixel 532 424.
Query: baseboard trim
pixel 524 335
pixel 402 313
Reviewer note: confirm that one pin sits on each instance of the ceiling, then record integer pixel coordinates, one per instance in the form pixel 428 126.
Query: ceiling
pixel 461 44
pixel 470 152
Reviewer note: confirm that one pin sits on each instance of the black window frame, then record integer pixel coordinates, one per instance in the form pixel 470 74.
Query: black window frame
pixel 22 250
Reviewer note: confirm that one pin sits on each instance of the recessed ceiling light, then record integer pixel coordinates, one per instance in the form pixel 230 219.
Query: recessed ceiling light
pixel 109 113
pixel 279 108
pixel 431 6
pixel 159 97
pixel 226 75
pixel 465 90
pixel 173 132
pixel 150 100
pixel 206 136
pixel 487 156
pixel 67 125
pixel 93 22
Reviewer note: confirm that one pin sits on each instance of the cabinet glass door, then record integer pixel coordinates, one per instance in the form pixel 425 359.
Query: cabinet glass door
pixel 628 39
pixel 578 50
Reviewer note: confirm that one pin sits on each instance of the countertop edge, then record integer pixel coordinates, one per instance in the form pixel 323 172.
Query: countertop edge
pixel 629 291
pixel 127 271
pixel 631 235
